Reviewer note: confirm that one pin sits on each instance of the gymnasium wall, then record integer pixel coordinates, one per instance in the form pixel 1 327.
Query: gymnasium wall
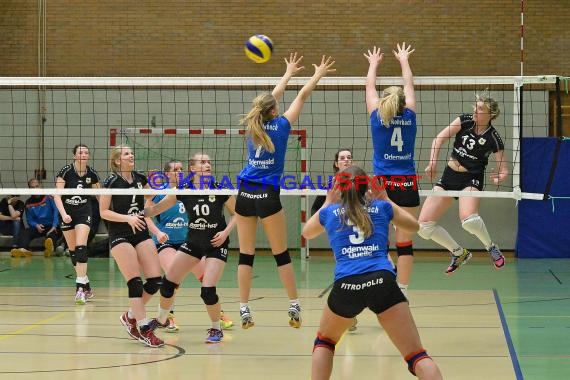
pixel 205 38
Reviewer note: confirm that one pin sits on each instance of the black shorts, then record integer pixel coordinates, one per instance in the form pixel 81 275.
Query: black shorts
pixel 457 181
pixel 162 246
pixel 256 199
pixel 402 190
pixel 377 291
pixel 200 250
pixel 82 216
pixel 133 240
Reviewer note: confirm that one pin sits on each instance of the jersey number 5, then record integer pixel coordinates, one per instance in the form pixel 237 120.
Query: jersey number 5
pixel 396 139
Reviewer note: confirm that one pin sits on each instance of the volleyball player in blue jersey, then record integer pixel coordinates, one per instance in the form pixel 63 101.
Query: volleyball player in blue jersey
pixel 393 127
pixel 475 140
pixel 258 197
pixel 169 230
pixel 357 224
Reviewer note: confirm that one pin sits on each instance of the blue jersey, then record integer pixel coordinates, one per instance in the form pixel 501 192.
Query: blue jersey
pixel 353 253
pixel 263 166
pixel 173 222
pixel 394 146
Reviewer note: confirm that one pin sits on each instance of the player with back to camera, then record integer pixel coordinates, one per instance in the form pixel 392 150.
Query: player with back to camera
pixel 258 196
pixel 76 216
pixel 393 127
pixel 356 218
pixel 475 140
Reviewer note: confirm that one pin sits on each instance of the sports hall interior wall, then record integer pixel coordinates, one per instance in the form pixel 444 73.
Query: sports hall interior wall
pixel 195 38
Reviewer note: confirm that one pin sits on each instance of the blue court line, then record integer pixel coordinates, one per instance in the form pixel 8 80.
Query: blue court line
pixel 512 351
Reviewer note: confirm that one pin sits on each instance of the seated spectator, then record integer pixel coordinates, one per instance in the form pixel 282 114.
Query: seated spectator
pixel 42 218
pixel 11 211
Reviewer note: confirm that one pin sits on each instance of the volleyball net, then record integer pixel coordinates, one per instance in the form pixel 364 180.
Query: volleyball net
pixel 173 118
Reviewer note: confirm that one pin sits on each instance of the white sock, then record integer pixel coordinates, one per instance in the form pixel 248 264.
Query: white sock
pixel 216 325
pixel 243 305
pixel 130 314
pixel 162 315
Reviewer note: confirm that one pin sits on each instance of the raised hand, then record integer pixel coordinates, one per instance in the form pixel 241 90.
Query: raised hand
pixel 403 52
pixel 293 64
pixel 325 67
pixel 374 56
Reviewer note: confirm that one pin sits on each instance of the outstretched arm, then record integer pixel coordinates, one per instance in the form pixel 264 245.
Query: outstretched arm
pixel 292 69
pixel 374 57
pixel 402 54
pixel 292 114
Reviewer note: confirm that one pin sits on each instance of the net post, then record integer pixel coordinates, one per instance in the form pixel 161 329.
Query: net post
pixel 517 131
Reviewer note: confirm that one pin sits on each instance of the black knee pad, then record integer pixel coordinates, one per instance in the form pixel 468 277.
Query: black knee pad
pixel 72 257
pixel 168 288
pixel 283 258
pixel 152 285
pixel 321 341
pixel 81 253
pixel 413 359
pixel 406 249
pixel 135 286
pixel 246 259
pixel 208 295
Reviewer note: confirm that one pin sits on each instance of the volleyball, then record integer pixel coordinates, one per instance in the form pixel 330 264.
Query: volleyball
pixel 259 48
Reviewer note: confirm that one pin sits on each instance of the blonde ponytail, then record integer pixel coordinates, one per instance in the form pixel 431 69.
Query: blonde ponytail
pixel 391 104
pixel 260 113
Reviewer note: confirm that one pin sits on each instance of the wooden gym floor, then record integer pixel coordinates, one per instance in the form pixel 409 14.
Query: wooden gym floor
pixel 480 323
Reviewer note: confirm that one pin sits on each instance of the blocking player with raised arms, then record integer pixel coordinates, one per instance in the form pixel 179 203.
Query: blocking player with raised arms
pixel 75 211
pixel 393 127
pixel 357 222
pixel 258 196
pixel 207 237
pixel 131 244
pixel 475 140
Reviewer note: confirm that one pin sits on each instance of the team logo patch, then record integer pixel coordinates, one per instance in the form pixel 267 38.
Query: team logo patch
pixel 88 180
pixel 139 185
pixel 482 141
pixel 212 198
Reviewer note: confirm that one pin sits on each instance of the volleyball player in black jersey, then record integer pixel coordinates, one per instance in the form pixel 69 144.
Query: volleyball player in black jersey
pixel 475 140
pixel 131 245
pixel 207 236
pixel 75 211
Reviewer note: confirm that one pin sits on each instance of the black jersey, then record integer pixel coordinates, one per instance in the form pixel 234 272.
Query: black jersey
pixel 75 181
pixel 125 204
pixel 472 150
pixel 206 216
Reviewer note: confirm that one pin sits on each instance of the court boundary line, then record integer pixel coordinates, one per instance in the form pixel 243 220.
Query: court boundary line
pixel 510 345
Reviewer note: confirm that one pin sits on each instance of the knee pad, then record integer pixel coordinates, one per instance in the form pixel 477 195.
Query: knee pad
pixel 208 295
pixel 81 253
pixel 246 259
pixel 473 224
pixel 167 288
pixel 72 257
pixel 283 258
pixel 414 358
pixel 152 285
pixel 405 249
pixel 321 341
pixel 136 288
pixel 427 229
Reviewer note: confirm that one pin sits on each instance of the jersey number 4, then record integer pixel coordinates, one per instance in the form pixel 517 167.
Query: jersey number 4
pixel 397 139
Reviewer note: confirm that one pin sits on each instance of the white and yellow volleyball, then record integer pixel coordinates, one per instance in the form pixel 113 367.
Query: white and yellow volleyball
pixel 259 48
